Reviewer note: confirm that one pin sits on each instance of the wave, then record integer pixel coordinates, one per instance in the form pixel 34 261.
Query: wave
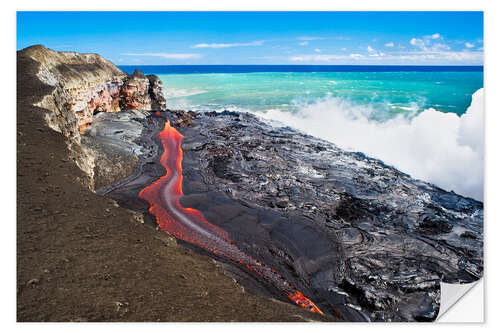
pixel 441 148
pixel 175 93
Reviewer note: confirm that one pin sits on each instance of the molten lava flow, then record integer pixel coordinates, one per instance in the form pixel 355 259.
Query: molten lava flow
pixel 189 224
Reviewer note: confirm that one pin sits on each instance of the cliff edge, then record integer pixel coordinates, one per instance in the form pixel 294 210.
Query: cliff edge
pixel 85 84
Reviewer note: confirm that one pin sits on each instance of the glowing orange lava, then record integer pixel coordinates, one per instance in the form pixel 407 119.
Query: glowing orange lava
pixel 189 224
pixel 299 299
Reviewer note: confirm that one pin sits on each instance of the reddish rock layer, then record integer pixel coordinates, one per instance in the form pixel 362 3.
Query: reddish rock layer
pixel 134 94
pixel 85 84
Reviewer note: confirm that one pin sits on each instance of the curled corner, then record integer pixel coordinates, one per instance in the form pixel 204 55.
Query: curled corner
pixel 462 303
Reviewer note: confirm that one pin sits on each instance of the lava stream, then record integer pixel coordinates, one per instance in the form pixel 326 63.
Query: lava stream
pixel 189 224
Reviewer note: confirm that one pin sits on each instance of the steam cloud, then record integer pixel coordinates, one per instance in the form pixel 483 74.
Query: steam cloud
pixel 441 148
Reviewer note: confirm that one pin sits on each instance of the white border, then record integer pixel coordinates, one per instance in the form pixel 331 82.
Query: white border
pixel 492 60
pixel 468 306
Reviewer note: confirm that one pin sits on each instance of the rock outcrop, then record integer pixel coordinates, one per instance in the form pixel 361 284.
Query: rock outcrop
pixel 158 101
pixel 112 139
pixel 85 85
pixel 135 92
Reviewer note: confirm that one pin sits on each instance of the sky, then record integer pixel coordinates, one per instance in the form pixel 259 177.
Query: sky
pixel 302 38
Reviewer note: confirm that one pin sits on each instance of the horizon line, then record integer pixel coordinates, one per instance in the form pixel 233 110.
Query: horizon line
pixel 298 65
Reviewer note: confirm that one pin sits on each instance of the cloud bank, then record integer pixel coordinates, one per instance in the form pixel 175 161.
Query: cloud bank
pixel 418 57
pixel 424 50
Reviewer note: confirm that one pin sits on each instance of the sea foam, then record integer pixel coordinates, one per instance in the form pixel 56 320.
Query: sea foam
pixel 175 93
pixel 441 148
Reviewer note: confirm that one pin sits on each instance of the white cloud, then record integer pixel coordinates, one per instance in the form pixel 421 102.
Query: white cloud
pixel 433 36
pixel 317 50
pixel 469 45
pixel 417 42
pixel 166 55
pixel 304 43
pixel 439 47
pixel 442 56
pixel 325 58
pixel 309 38
pixel 374 53
pixel 427 44
pixel 415 57
pixel 425 50
pixel 344 49
pixel 317 58
pixel 225 45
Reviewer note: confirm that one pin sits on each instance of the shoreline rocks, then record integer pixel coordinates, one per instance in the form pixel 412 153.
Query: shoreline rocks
pixel 140 92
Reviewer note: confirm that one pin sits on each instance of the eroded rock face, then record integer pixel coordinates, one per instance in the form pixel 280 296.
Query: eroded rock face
pixel 158 101
pixel 140 92
pixel 102 99
pixel 360 239
pixel 86 85
pixel 83 83
pixel 135 93
pixel 112 140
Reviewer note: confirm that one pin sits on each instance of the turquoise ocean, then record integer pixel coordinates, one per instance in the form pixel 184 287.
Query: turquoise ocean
pixel 426 121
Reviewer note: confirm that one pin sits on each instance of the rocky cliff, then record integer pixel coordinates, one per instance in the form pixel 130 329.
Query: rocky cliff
pixel 83 86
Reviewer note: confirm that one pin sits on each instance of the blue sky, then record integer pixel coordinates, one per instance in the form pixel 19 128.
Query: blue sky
pixel 330 38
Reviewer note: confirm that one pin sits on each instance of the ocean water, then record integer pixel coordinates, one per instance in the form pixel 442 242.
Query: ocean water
pixel 426 121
